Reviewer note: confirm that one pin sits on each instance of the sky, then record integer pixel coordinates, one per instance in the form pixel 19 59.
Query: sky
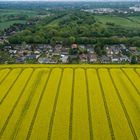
pixel 76 0
pixel 69 0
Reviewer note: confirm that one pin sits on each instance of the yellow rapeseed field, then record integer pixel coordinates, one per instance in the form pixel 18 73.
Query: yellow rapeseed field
pixel 69 102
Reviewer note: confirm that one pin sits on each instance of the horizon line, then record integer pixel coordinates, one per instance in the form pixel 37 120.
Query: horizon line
pixel 70 1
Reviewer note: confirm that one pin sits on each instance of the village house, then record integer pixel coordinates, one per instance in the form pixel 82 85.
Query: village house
pixel 115 49
pixel 83 58
pixel 18 47
pixel 115 59
pixel 2 41
pixel 92 58
pixel 37 52
pixel 123 47
pixel 133 49
pixel 64 58
pixel 41 47
pixel 33 56
pixel 74 48
pixel 43 60
pixel 55 53
pixel 50 50
pixel 29 47
pixel 48 46
pixel 124 58
pixel 58 46
pixel 90 49
pixel 21 59
pixel 73 57
pixel 1 37
pixel 7 48
pixel 105 59
pixel 82 47
pixel 65 51
pixel 57 50
pixel 109 51
pixel 137 53
pixel 21 53
pixel 12 52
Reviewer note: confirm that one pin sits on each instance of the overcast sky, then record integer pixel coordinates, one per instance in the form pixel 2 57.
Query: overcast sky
pixel 70 0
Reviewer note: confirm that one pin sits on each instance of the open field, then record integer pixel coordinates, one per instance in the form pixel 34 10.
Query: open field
pixel 9 17
pixel 7 24
pixel 70 102
pixel 135 19
pixel 132 22
pixel 7 12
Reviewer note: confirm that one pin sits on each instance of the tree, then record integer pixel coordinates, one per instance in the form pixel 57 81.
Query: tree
pixel 71 39
pixel 98 50
pixel 53 42
pixel 52 33
pixel 29 39
pixel 5 58
pixel 24 44
pixel 38 39
pixel 65 42
pixel 16 39
pixel 134 60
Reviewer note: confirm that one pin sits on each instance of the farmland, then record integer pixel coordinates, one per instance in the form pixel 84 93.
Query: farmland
pixel 69 102
pixel 129 22
pixel 10 16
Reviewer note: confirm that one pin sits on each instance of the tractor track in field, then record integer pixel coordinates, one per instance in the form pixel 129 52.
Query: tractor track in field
pixel 127 99
pixel 123 107
pixel 38 105
pixel 131 97
pixel 54 107
pixel 6 94
pixel 89 107
pixel 131 81
pixel 5 76
pixel 71 107
pixel 27 104
pixel 135 70
pixel 14 107
pixel 106 107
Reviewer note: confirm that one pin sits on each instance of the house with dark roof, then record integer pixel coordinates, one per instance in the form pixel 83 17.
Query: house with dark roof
pixel 105 59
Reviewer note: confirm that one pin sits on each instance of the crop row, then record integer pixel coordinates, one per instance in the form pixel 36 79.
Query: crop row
pixel 15 94
pixel 8 83
pixel 70 103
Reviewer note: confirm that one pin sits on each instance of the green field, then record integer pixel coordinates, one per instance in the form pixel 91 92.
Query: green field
pixel 135 19
pixel 6 24
pixel 6 17
pixel 133 22
pixel 13 12
pixel 56 21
